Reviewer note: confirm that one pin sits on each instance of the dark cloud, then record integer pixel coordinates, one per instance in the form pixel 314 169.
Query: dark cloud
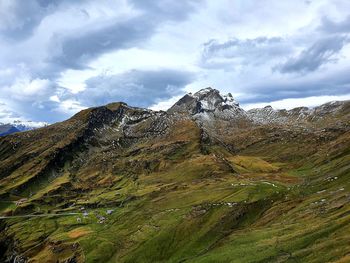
pixel 337 83
pixel 47 3
pixel 140 88
pixel 76 50
pixel 249 51
pixel 19 19
pixel 332 38
pixel 321 52
pixel 332 27
pixel 166 9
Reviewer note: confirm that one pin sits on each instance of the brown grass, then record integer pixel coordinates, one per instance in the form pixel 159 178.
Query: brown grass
pixel 79 232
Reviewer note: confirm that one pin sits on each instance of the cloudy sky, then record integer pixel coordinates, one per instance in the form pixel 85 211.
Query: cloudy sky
pixel 60 56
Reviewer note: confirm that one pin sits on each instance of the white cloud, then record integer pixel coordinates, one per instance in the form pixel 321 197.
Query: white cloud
pixel 297 102
pixel 69 107
pixel 54 98
pixel 165 105
pixel 8 115
pixel 26 89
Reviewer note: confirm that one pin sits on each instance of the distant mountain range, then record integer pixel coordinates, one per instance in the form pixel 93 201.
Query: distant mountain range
pixel 6 129
pixel 18 126
pixel 205 181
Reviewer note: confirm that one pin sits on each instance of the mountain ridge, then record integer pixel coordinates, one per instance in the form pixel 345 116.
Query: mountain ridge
pixel 202 182
pixel 19 126
pixel 200 102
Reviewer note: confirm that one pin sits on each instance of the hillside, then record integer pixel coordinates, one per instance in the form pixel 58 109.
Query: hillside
pixel 205 181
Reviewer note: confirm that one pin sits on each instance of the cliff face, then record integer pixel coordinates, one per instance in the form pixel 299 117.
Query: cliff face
pixel 205 181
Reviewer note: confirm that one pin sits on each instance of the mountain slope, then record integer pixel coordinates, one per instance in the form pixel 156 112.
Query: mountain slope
pixel 203 182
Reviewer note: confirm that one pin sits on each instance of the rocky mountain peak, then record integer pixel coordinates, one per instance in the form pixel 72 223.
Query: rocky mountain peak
pixel 212 98
pixel 203 93
pixel 203 101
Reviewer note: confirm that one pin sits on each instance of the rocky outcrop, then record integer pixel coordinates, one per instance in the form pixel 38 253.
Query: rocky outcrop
pixel 301 116
pixel 205 101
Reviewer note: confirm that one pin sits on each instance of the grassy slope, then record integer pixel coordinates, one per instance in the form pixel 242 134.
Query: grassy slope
pixel 281 201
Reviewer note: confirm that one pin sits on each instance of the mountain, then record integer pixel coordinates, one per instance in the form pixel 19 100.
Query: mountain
pixel 18 125
pixel 207 101
pixel 204 181
pixel 23 125
pixel 301 115
pixel 7 129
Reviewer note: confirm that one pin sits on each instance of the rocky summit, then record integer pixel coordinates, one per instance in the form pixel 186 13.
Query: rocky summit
pixel 205 181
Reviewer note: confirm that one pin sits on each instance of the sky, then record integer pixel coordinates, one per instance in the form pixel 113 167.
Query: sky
pixel 58 57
